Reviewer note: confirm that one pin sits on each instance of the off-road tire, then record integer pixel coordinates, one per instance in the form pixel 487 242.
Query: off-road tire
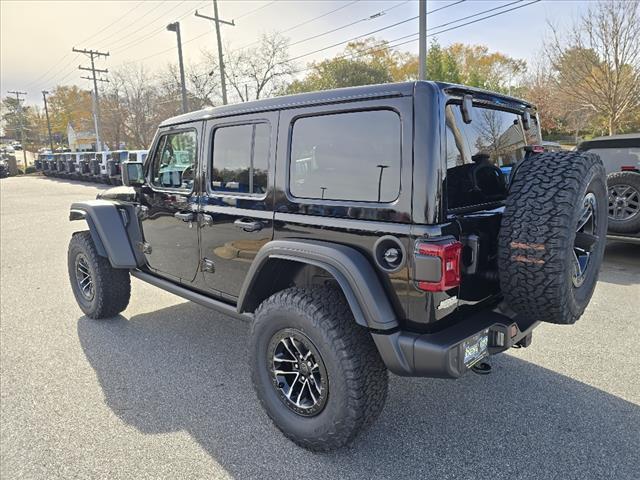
pixel 111 286
pixel 632 223
pixel 357 377
pixel 538 231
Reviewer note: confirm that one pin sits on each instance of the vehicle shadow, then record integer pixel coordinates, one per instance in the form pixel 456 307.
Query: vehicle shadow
pixel 621 264
pixel 180 369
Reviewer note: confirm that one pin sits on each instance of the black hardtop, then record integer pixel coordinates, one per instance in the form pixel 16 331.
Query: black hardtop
pixel 340 95
pixel 626 140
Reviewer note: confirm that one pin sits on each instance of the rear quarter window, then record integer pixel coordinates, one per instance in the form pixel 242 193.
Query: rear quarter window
pixel 351 156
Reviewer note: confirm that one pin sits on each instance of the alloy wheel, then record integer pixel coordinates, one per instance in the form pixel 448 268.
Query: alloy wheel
pixel 624 202
pixel 585 239
pixel 84 277
pixel 298 372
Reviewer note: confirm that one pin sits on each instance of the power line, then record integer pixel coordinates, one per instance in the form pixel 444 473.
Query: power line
pixel 162 18
pixel 390 44
pixel 372 32
pixel 300 24
pixel 152 33
pixel 250 12
pixel 127 13
pixel 365 19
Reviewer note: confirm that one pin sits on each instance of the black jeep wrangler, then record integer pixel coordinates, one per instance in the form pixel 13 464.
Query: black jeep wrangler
pixel 361 230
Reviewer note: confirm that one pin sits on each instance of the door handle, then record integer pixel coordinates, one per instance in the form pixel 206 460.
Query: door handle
pixel 248 225
pixel 185 217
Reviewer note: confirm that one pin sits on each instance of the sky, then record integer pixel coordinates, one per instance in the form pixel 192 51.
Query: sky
pixel 36 37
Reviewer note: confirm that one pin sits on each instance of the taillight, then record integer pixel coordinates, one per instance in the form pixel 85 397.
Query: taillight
pixel 449 253
pixel 628 168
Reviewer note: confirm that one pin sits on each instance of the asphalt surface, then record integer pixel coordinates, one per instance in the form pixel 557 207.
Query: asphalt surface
pixel 163 390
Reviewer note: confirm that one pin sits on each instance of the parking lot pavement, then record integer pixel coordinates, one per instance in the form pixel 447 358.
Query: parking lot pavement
pixel 163 390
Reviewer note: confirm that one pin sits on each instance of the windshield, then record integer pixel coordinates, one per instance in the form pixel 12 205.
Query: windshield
pixel 480 154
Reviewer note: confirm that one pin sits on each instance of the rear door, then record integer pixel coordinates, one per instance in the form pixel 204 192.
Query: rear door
pixel 170 203
pixel 237 200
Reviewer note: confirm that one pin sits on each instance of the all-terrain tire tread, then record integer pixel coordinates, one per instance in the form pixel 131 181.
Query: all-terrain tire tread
pixel 115 293
pixel 365 372
pixel 537 233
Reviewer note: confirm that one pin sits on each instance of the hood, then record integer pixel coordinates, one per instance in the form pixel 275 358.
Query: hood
pixel 122 194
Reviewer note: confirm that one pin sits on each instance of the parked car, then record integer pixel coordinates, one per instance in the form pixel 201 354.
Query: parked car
pixel 114 161
pixel 4 169
pixel 621 157
pixel 363 230
pixel 84 162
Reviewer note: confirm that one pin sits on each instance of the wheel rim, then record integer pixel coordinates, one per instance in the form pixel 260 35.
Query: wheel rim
pixel 585 240
pixel 298 372
pixel 624 202
pixel 84 278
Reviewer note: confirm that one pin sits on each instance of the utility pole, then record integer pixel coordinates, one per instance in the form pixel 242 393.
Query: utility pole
pixel 175 27
pixel 93 54
pixel 46 111
pixel 217 22
pixel 422 47
pixel 24 147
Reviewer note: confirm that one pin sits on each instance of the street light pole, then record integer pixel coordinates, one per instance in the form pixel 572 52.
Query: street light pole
pixel 422 41
pixel 46 111
pixel 175 27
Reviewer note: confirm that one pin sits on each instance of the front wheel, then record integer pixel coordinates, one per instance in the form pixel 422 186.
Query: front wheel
pixel 100 290
pixel 317 373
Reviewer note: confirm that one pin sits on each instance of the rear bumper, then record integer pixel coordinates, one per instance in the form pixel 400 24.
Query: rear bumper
pixel 440 354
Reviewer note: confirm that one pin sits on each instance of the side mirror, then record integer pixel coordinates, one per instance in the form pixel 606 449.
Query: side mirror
pixel 526 120
pixel 466 107
pixel 132 174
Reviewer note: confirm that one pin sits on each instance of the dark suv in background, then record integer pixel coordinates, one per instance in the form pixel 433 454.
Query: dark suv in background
pixel 621 157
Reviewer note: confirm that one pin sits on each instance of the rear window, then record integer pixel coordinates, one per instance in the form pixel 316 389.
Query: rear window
pixel 616 158
pixel 352 156
pixel 480 154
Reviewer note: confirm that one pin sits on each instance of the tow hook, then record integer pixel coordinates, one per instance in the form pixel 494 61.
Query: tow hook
pixel 481 368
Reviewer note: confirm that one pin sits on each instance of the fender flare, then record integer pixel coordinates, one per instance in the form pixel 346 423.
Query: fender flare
pixel 358 280
pixel 107 231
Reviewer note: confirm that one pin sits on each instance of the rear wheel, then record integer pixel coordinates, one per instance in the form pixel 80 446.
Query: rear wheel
pixel 317 373
pixel 100 290
pixel 553 235
pixel 624 202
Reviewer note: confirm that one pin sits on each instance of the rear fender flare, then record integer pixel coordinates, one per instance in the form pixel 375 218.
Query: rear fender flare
pixel 358 280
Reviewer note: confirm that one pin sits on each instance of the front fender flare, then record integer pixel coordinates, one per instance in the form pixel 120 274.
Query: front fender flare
pixel 107 230
pixel 353 272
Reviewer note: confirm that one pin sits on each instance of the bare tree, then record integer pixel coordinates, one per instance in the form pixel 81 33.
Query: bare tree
pixel 260 71
pixel 597 65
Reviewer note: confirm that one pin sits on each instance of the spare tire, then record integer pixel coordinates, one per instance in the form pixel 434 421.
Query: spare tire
pixel 624 202
pixel 552 235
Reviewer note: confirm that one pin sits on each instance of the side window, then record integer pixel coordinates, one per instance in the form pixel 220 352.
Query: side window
pixel 174 161
pixel 351 156
pixel 240 159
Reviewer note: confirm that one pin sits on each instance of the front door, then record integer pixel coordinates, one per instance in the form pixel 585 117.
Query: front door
pixel 237 200
pixel 169 204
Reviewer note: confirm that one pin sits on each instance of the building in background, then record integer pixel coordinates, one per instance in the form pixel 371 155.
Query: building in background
pixel 81 141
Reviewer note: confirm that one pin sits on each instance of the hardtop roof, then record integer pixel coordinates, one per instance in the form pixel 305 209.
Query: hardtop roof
pixel 625 140
pixel 337 95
